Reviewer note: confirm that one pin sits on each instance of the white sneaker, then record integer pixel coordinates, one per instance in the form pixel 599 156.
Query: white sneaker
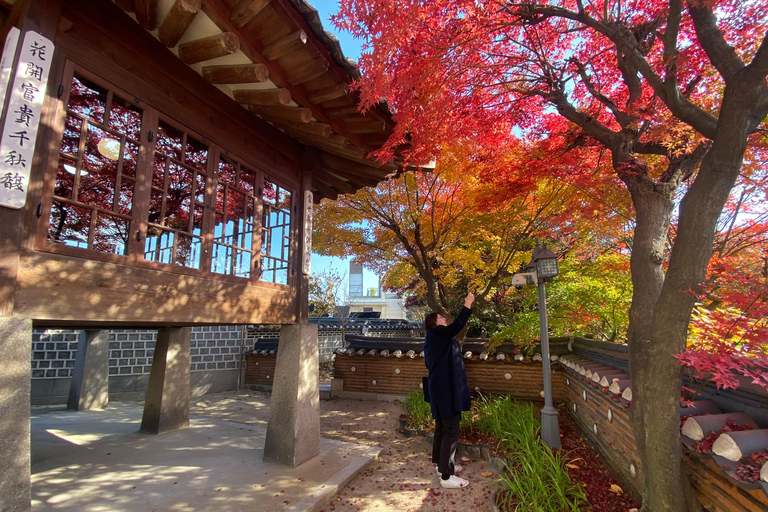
pixel 453 482
pixel 456 469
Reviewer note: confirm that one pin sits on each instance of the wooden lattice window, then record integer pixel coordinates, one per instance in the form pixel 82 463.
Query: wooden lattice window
pixel 92 206
pixel 276 238
pixel 236 225
pixel 134 187
pixel 177 198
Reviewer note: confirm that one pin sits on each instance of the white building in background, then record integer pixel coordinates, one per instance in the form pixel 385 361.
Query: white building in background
pixel 371 300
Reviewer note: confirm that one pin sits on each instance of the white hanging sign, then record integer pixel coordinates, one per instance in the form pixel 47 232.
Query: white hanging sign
pixel 307 232
pixel 22 118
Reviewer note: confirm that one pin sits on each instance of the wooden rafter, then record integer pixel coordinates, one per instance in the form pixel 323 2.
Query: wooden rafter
pixel 177 21
pixel 218 12
pixel 280 113
pixel 282 47
pixel 267 97
pixel 209 48
pixel 239 74
pixel 146 13
pixel 340 112
pixel 308 72
pixel 246 10
pixel 328 93
pixel 324 189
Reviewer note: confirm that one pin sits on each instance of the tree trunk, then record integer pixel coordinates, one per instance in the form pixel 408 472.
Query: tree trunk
pixel 661 386
pixel 653 210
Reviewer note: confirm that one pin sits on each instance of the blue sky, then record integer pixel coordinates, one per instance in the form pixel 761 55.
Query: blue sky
pixel 349 45
pixel 351 48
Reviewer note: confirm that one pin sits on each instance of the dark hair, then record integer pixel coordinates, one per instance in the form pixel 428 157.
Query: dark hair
pixel 430 321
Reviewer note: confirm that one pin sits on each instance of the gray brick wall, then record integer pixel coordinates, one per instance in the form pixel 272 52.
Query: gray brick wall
pixel 212 348
pixel 53 354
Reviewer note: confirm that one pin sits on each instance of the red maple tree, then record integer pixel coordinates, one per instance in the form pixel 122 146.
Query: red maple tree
pixel 673 92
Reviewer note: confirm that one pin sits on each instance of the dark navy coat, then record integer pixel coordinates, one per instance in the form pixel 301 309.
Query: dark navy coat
pixel 448 387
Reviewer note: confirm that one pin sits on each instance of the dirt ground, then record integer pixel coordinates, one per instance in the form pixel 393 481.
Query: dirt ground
pixel 402 479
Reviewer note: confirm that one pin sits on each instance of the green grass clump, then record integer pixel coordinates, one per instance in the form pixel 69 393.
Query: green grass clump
pixel 536 479
pixel 417 411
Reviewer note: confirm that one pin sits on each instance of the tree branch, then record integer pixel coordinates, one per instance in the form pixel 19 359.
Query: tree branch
pixel 623 119
pixel 711 39
pixel 700 120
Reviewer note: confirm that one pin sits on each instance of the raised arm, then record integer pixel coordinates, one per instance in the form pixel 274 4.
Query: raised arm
pixel 461 319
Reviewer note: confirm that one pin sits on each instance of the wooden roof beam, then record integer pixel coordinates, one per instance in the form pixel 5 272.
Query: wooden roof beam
pixel 324 190
pixel 280 113
pixel 282 47
pixel 238 74
pixel 312 70
pixel 375 139
pixel 146 13
pixel 307 137
pixel 356 181
pixel 327 93
pixel 352 167
pixel 177 21
pixel 334 181
pixel 246 11
pixel 221 15
pixel 267 97
pixel 366 127
pixel 340 112
pixel 126 5
pixel 314 128
pixel 209 48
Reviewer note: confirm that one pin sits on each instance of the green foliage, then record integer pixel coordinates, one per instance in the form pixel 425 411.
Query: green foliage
pixel 591 297
pixel 325 292
pixel 417 411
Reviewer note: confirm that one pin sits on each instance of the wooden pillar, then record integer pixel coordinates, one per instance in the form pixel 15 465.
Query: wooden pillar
pixel 304 246
pixel 166 407
pixel 293 430
pixel 89 389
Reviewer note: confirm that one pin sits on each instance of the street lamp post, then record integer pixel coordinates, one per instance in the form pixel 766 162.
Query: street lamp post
pixel 544 263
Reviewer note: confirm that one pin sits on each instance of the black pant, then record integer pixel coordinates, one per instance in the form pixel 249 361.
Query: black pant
pixel 446 441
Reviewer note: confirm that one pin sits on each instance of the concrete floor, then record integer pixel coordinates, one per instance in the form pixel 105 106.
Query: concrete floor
pixel 99 461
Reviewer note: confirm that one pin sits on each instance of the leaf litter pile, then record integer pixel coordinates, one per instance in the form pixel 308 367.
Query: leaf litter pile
pixel 604 492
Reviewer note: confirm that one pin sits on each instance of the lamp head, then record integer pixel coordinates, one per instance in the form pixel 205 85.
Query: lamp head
pixel 546 263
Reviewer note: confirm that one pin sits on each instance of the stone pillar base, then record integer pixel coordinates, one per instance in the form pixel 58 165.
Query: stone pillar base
pixel 166 407
pixel 293 431
pixel 89 389
pixel 15 385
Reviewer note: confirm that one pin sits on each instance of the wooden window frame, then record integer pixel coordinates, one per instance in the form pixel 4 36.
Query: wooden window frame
pixel 134 255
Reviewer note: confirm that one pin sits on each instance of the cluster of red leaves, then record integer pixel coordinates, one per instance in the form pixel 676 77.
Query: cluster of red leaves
pixel 705 445
pixel 749 469
pixel 729 340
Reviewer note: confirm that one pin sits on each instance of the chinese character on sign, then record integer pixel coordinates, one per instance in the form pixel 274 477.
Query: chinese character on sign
pixel 29 91
pixel 12 181
pixel 22 136
pixel 14 158
pixel 34 71
pixel 37 50
pixel 25 114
